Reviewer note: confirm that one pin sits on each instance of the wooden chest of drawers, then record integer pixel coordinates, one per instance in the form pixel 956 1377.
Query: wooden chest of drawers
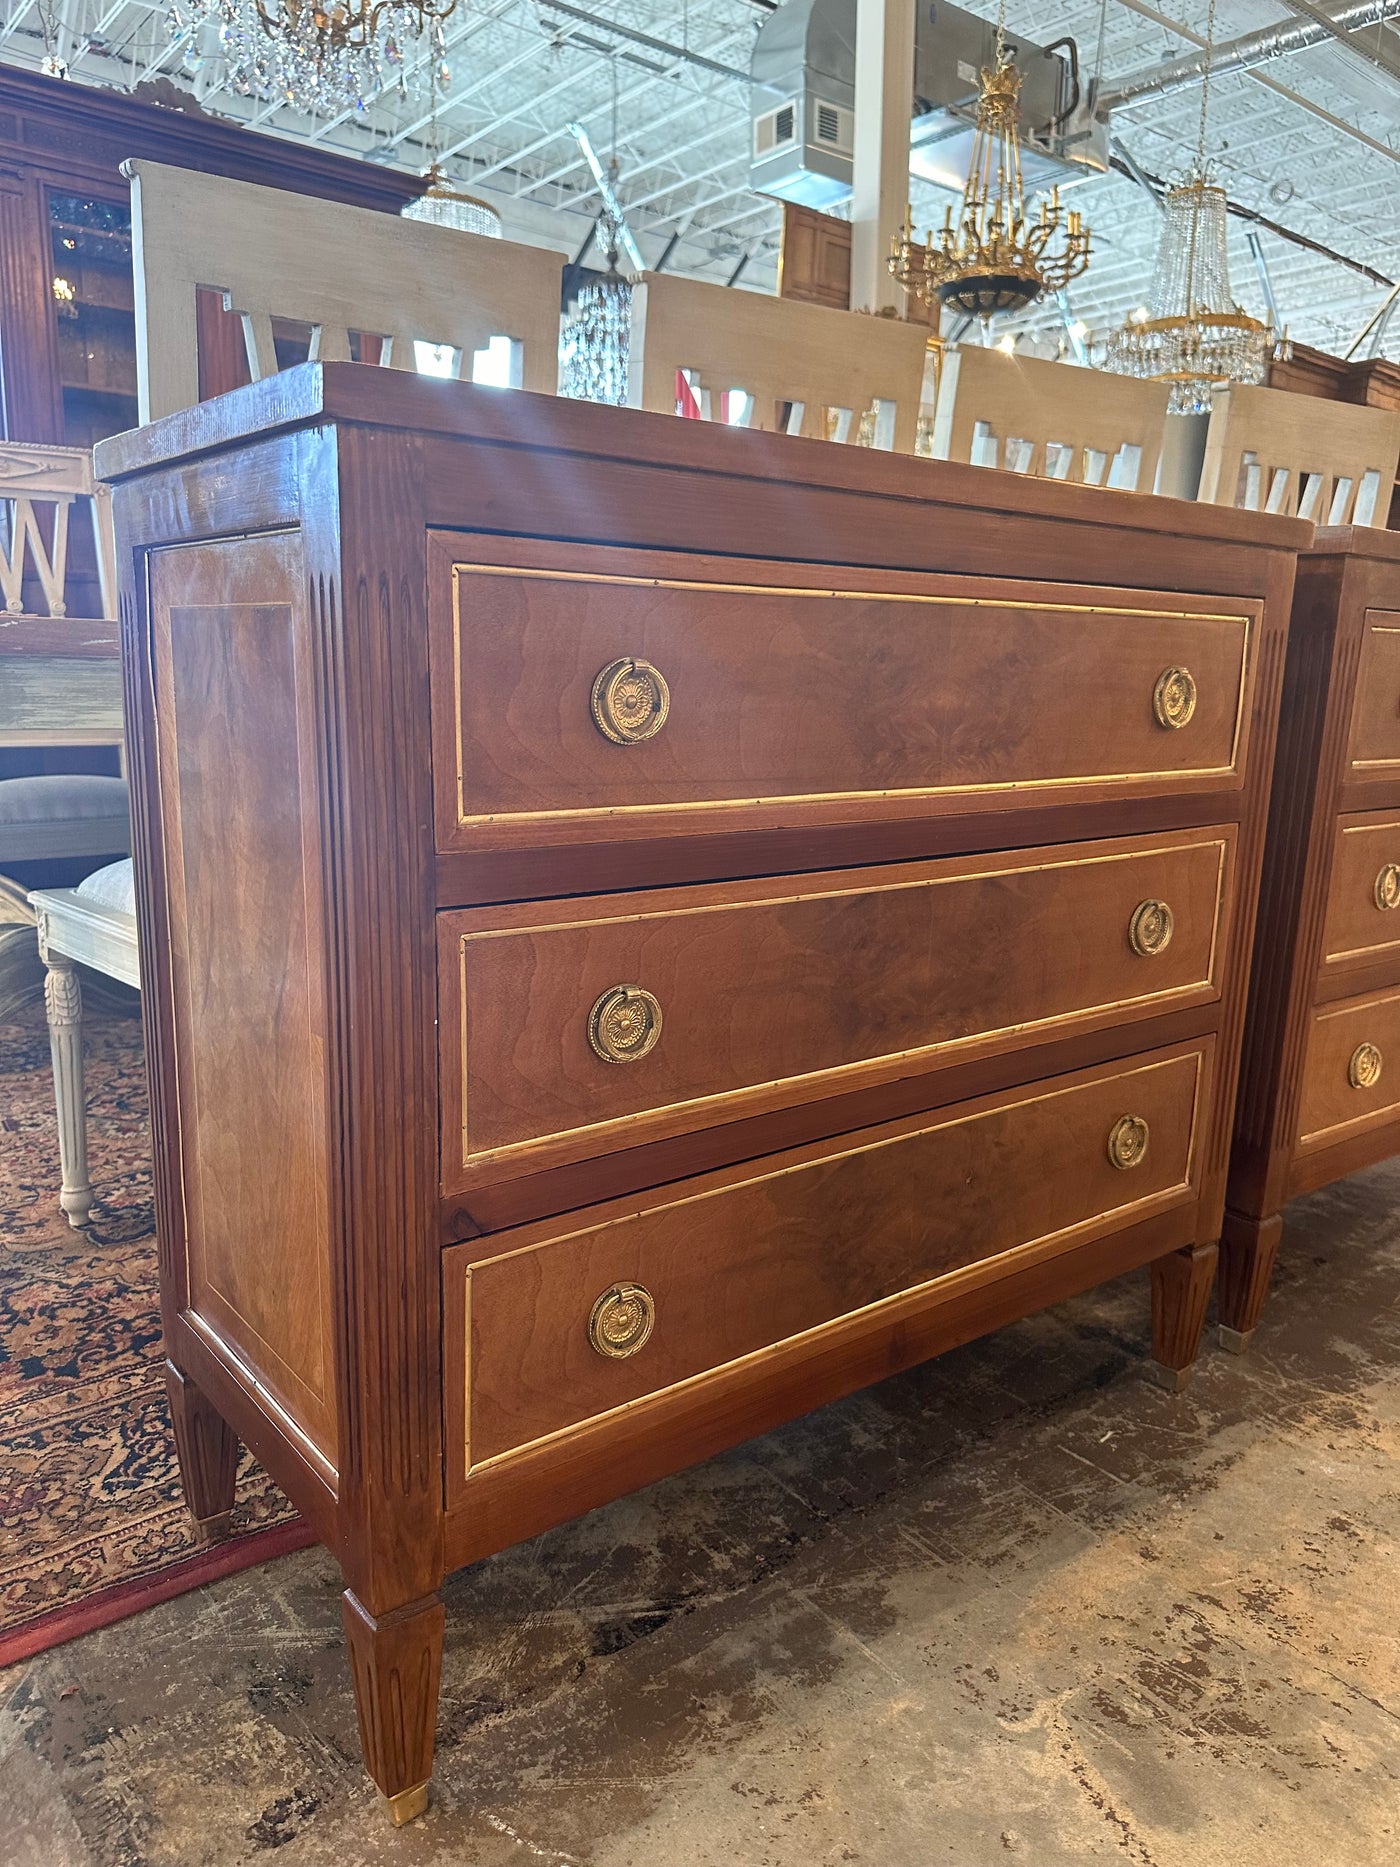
pixel 1320 1091
pixel 649 928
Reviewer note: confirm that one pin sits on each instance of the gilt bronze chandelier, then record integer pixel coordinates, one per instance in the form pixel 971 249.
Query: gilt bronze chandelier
pixel 989 256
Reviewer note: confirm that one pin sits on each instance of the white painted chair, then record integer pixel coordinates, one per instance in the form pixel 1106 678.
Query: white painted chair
pixel 60 673
pixel 1271 450
pixel 1051 421
pixel 95 924
pixel 801 368
pixel 342 271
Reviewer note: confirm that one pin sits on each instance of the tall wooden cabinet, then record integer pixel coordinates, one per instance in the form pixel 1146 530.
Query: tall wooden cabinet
pixel 649 927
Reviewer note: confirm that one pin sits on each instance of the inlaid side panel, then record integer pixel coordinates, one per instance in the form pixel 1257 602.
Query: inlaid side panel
pixel 240 825
pixel 573 1028
pixel 590 1315
pixel 631 694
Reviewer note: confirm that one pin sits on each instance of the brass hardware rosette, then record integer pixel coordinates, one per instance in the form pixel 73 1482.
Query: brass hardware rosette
pixel 1151 928
pixel 1387 889
pixel 621 1321
pixel 624 1024
pixel 1174 697
pixel 630 701
pixel 1127 1142
pixel 1364 1068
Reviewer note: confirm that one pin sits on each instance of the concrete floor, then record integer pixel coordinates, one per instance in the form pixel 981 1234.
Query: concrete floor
pixel 1019 1605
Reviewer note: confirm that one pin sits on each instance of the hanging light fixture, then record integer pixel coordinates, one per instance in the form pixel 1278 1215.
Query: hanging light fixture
pixel 1192 334
pixel 989 257
pixel 594 342
pixel 320 56
pixel 440 204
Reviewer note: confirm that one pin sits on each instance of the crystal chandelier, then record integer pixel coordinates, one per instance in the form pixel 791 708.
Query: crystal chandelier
pixel 320 56
pixel 594 342
pixel 990 257
pixel 1194 336
pixel 442 205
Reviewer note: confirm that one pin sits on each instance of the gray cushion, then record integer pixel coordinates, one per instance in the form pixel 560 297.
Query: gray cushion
pixel 61 797
pixel 112 887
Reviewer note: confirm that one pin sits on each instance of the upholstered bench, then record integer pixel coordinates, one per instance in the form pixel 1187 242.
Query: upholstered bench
pixel 62 814
pixel 94 923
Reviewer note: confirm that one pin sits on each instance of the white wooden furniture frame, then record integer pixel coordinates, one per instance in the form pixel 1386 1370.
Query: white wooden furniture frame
pixel 338 269
pixel 73 928
pixel 1272 450
pixel 37 479
pixel 1053 421
pixel 804 369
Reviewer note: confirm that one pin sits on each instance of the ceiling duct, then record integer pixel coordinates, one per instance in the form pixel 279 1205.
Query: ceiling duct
pixel 803 102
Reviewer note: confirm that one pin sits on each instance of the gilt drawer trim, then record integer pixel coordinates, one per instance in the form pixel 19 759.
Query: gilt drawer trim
pixel 546 1235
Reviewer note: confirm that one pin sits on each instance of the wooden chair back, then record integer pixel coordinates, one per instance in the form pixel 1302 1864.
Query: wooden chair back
pixel 342 271
pixel 1270 450
pixel 802 368
pixel 1053 421
pixel 39 487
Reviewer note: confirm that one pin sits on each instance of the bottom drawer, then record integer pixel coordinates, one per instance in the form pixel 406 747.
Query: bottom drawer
pixel 1351 1075
pixel 574 1317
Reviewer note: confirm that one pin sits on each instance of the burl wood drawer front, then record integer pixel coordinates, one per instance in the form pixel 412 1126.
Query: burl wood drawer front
pixel 1374 748
pixel 1363 896
pixel 595 1311
pixel 1351 1078
pixel 570 1028
pixel 617 696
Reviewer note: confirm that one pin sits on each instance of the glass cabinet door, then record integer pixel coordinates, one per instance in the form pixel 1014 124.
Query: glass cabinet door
pixel 93 305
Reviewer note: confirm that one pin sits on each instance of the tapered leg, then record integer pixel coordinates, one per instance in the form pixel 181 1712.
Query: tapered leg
pixel 63 1001
pixel 1181 1284
pixel 1248 1248
pixel 208 1452
pixel 396 1659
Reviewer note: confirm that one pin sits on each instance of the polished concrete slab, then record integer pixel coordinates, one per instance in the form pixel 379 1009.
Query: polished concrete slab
pixel 1018 1605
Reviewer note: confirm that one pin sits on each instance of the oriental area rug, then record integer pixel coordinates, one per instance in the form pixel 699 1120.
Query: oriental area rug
pixel 92 1523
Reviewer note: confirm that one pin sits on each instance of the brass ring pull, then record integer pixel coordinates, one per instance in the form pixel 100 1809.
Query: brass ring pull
pixel 1174 697
pixel 624 1024
pixel 1387 890
pixel 621 1321
pixel 1364 1069
pixel 1151 928
pixel 1127 1142
pixel 630 701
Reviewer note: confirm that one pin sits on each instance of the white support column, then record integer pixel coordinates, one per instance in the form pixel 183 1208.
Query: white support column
pixel 63 1000
pixel 880 163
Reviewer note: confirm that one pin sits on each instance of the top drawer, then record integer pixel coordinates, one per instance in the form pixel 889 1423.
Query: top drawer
pixel 1374 749
pixel 592 693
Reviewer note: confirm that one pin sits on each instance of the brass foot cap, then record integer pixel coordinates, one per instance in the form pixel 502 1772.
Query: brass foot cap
pixel 407 1805
pixel 1236 1340
pixel 1173 1379
pixel 214 1529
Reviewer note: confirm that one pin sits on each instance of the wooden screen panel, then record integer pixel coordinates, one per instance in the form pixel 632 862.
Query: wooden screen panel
pixel 772 994
pixel 1332 1104
pixel 1375 718
pixel 775 715
pixel 762 1254
pixel 1363 895
pixel 240 833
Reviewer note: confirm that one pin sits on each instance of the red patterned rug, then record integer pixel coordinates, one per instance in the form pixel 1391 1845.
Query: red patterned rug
pixel 92 1524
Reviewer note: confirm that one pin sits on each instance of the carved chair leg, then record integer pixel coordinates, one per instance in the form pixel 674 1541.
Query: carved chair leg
pixel 207 1447
pixel 1181 1284
pixel 396 1660
pixel 63 1001
pixel 1248 1248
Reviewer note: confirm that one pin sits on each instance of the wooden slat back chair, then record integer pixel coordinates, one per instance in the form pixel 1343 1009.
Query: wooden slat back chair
pixel 1270 450
pixel 1053 421
pixel 60 675
pixel 803 369
pixel 339 270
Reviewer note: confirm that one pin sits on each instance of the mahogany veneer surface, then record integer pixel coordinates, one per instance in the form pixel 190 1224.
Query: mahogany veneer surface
pixel 888 985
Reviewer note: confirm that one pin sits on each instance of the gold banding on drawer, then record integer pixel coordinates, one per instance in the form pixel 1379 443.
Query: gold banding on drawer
pixel 738 997
pixel 1374 746
pixel 574 704
pixel 1351 1076
pixel 1361 926
pixel 578 1316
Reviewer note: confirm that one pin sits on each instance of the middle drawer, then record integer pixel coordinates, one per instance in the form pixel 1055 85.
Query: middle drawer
pixel 571 1029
